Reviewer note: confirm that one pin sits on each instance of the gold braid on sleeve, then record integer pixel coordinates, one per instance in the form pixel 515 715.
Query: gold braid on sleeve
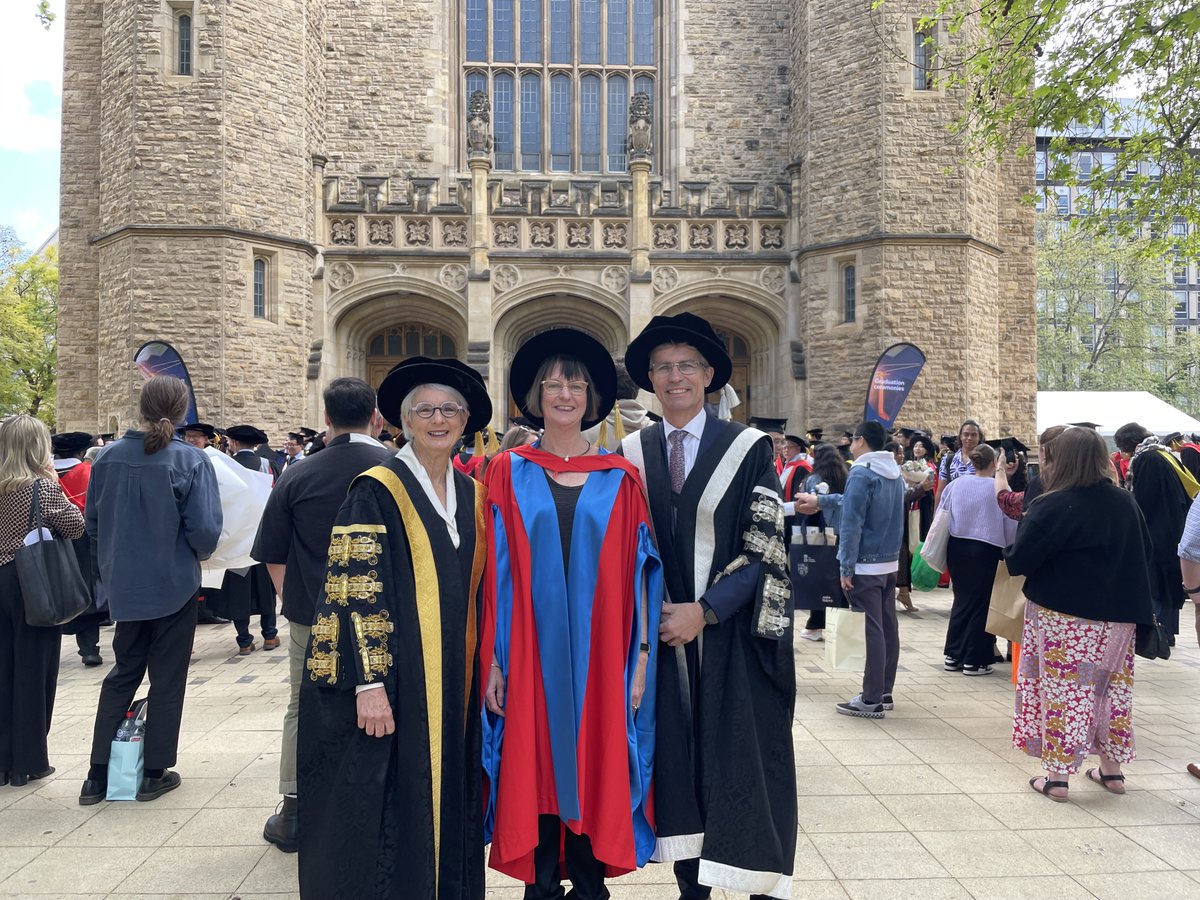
pixel 371 632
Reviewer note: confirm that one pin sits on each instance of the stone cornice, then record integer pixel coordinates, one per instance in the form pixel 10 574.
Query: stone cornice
pixel 204 231
pixel 877 239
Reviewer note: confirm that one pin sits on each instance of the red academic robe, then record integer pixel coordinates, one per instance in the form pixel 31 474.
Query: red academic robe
pixel 569 744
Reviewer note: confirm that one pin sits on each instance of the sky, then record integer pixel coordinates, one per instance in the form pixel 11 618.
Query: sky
pixel 30 119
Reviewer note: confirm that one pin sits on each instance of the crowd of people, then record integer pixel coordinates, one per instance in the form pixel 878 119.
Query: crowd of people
pixel 574 642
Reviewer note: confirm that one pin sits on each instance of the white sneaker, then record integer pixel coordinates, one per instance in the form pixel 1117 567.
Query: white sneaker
pixel 812 634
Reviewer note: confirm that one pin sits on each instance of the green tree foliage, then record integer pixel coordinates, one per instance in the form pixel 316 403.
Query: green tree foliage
pixel 1061 65
pixel 1106 317
pixel 28 321
pixel 44 13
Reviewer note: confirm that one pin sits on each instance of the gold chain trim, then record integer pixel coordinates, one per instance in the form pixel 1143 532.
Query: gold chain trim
pixel 361 548
pixel 343 588
pixel 372 634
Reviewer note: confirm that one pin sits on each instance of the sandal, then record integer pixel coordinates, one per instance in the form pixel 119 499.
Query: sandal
pixel 1106 780
pixel 1049 786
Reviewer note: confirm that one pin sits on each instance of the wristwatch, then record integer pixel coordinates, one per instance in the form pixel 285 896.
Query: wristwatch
pixel 710 616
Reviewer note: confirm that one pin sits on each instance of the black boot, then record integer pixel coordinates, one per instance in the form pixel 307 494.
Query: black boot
pixel 283 828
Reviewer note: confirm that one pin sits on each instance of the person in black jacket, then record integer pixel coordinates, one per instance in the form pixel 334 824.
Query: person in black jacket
pixel 1157 478
pixel 1085 552
pixel 293 543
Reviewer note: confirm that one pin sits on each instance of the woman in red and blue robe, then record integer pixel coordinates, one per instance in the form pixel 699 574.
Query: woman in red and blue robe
pixel 568 651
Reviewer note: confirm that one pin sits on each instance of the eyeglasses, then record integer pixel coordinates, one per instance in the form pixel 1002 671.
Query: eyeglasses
pixel 554 386
pixel 687 367
pixel 448 410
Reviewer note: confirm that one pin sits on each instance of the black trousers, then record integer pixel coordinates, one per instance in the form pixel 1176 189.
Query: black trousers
pixel 28 678
pixel 87 639
pixel 687 872
pixel 162 647
pixel 584 870
pixel 972 566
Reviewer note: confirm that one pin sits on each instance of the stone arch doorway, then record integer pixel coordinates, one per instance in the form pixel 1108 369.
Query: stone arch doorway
pixel 390 345
pixel 521 321
pixel 738 349
pixel 750 321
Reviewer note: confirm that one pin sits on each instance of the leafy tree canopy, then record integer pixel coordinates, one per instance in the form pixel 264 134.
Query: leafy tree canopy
pixel 1060 66
pixel 1106 317
pixel 28 321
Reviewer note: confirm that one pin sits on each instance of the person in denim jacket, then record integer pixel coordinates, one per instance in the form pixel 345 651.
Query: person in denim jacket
pixel 872 527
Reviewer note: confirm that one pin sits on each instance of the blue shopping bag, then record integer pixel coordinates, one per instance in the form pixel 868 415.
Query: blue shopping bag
pixel 127 757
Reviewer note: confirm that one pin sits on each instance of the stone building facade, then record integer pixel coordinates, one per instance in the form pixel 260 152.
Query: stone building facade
pixel 294 190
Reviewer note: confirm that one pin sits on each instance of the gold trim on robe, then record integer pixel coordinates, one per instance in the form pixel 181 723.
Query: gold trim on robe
pixel 429 615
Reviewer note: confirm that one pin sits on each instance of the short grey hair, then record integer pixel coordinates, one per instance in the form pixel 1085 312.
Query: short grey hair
pixel 406 404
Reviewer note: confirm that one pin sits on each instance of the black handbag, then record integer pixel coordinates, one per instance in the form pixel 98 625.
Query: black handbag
pixel 1152 641
pixel 816 574
pixel 52 586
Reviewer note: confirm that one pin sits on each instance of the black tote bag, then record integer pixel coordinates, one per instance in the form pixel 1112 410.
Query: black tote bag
pixel 816 576
pixel 52 586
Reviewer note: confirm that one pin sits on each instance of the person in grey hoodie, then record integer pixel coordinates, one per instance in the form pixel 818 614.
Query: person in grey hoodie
pixel 872 528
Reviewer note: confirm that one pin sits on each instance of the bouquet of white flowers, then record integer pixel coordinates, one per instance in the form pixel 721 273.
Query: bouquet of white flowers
pixel 916 472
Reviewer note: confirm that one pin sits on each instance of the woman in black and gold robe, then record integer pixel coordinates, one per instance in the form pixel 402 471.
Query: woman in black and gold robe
pixel 389 732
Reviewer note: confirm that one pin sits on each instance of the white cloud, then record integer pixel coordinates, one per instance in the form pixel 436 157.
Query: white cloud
pixel 28 55
pixel 32 227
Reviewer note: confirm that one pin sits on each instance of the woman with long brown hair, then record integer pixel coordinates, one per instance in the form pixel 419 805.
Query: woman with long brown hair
pixel 153 513
pixel 28 655
pixel 1085 552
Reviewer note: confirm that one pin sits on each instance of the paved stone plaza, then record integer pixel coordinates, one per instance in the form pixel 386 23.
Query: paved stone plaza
pixel 928 803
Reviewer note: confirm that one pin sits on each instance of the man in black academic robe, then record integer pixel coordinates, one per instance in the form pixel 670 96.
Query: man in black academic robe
pixel 248 593
pixel 397 815
pixel 725 778
pixel 1156 478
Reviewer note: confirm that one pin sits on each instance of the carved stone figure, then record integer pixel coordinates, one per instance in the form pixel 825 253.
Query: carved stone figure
pixel 641 138
pixel 507 234
pixel 479 117
pixel 666 236
pixel 343 231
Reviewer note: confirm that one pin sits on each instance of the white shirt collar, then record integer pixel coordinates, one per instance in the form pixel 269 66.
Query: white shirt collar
pixel 360 438
pixel 695 428
pixel 408 456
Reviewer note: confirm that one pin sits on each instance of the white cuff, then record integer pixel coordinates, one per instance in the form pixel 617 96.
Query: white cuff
pixel 789 509
pixel 359 688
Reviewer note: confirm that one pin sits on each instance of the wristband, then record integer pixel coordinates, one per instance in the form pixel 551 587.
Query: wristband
pixel 644 647
pixel 1188 590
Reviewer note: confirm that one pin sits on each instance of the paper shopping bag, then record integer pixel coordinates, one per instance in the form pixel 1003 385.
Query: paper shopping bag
pixel 845 639
pixel 127 760
pixel 816 575
pixel 1006 611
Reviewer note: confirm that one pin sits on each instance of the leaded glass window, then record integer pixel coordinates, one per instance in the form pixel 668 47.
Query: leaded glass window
pixel 184 66
pixel 560 74
pixel 260 288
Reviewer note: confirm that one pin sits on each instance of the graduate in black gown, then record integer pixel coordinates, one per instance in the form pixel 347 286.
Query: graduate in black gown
pixel 388 754
pixel 725 777
pixel 249 592
pixel 1157 481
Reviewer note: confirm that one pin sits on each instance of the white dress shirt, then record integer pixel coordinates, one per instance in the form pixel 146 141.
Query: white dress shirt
pixel 691 441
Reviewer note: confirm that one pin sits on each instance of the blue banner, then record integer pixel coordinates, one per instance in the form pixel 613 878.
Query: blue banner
pixel 158 358
pixel 893 378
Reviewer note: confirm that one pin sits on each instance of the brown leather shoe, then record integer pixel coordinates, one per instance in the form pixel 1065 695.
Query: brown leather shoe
pixel 248 649
pixel 270 643
pixel 1194 770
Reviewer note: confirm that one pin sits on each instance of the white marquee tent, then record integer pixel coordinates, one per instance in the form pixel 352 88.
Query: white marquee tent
pixel 1110 410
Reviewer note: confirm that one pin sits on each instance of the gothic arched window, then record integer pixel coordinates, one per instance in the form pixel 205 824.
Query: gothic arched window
pixel 560 74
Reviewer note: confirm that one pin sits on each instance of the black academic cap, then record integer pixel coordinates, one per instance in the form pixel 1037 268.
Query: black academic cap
pixel 684 328
pixel 247 434
pixel 909 432
pixel 521 422
pixel 296 436
pixel 797 440
pixel 307 433
pixel 653 416
pixel 949 440
pixel 203 427
pixel 111 436
pixel 814 434
pixel 1092 425
pixel 765 423
pixel 71 442
pixel 1172 438
pixel 385 435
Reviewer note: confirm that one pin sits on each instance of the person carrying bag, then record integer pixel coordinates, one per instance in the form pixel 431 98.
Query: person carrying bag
pixel 51 584
pixel 29 653
pixel 816 582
